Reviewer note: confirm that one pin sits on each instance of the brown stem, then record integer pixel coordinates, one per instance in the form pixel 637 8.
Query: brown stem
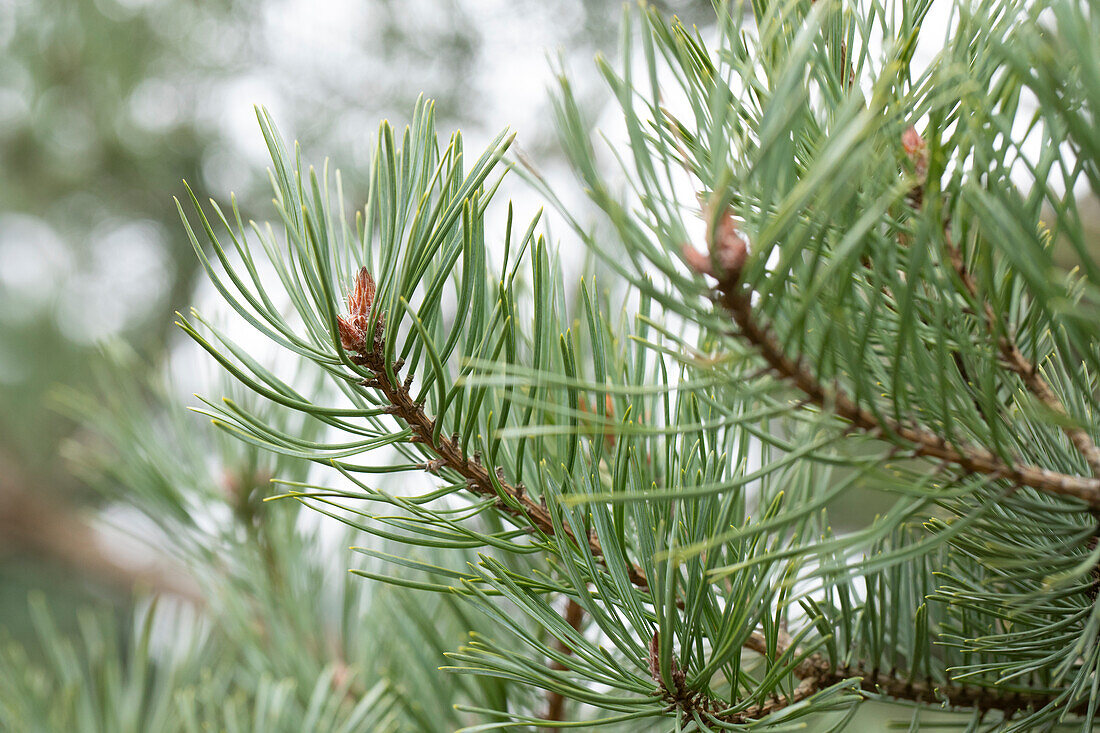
pixel 924 442
pixel 511 499
pixel 815 674
pixel 926 691
pixel 1018 363
pixel 34 523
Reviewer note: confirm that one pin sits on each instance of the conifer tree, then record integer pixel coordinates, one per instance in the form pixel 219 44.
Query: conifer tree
pixel 827 277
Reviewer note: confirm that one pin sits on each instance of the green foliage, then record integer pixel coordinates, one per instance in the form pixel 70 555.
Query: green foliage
pixel 286 640
pixel 665 455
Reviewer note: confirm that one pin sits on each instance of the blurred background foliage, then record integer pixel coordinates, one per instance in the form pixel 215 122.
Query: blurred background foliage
pixel 107 105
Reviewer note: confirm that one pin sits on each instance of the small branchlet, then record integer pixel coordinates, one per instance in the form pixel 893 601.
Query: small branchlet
pixel 925 442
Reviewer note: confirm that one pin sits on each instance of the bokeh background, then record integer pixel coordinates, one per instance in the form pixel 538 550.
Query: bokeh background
pixel 106 106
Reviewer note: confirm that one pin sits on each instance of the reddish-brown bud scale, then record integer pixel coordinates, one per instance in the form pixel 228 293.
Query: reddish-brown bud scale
pixel 350 337
pixel 609 411
pixel 728 246
pixel 917 151
pixel 362 295
pixel 354 326
pixel 696 260
pixel 911 140
pixel 654 657
pixel 729 249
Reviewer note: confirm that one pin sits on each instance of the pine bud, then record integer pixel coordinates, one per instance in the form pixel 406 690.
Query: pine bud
pixel 353 327
pixel 342 676
pixel 696 260
pixel 917 151
pixel 362 295
pixel 350 337
pixel 679 678
pixel 654 657
pixel 727 245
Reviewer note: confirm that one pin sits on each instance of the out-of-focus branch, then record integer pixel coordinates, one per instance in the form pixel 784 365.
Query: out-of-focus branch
pixel 34 523
pixel 555 701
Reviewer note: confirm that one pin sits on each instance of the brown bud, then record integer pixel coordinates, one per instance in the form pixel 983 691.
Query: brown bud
pixel 679 678
pixel 728 247
pixel 696 260
pixel 917 151
pixel 353 327
pixel 654 657
pixel 342 676
pixel 350 337
pixel 362 295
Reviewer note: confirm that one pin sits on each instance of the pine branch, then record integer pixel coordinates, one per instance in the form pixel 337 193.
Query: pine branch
pixel 815 672
pixel 1018 363
pixel 369 351
pixel 916 149
pixel 818 674
pixel 975 459
pixel 512 499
